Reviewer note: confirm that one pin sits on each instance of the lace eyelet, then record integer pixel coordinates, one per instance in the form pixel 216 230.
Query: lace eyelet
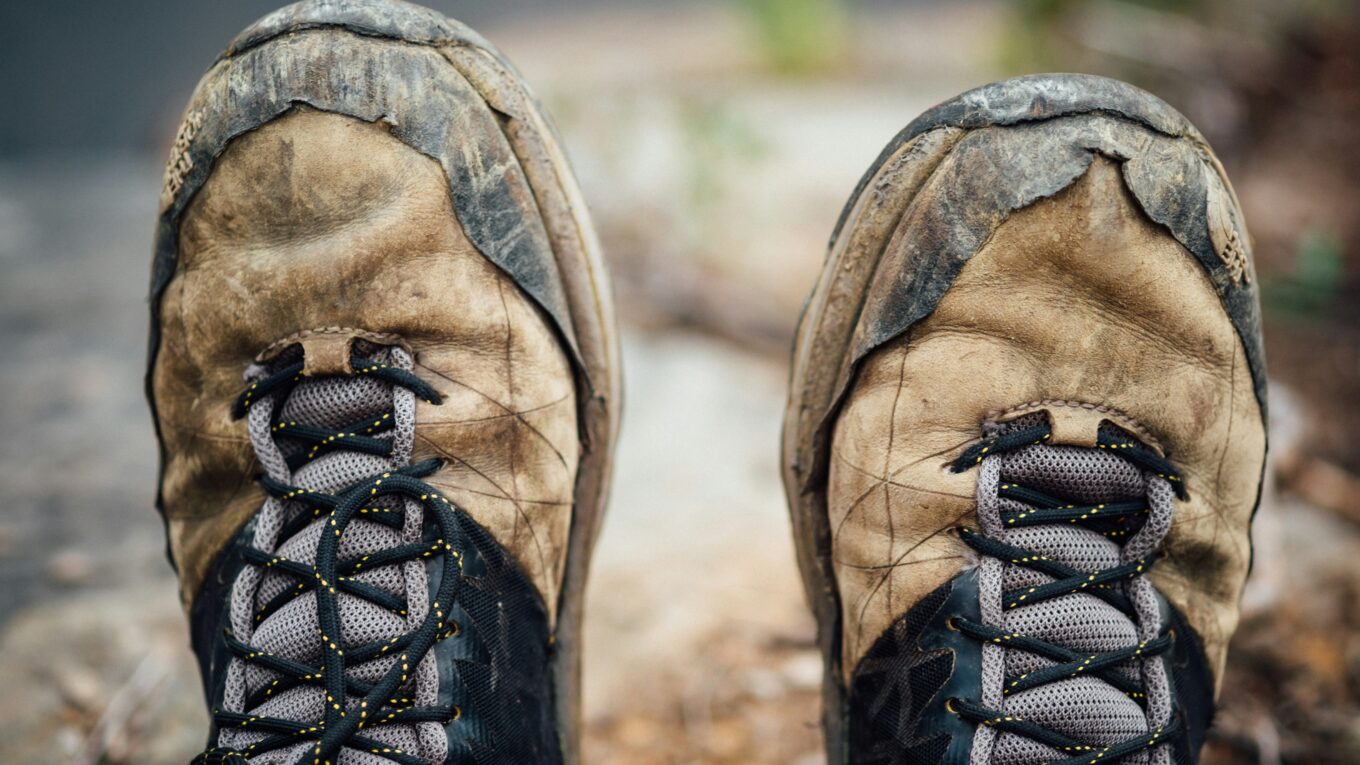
pixel 451 630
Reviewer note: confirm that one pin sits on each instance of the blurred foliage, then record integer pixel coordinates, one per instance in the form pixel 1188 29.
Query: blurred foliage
pixel 715 137
pixel 1041 37
pixel 1316 280
pixel 800 37
pixel 1154 38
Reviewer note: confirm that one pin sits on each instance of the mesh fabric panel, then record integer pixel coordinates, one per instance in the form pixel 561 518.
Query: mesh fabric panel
pixel 1086 708
pixel 893 685
pixel 292 630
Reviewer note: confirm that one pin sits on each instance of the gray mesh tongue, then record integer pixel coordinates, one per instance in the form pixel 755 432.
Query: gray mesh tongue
pixel 1085 708
pixel 292 631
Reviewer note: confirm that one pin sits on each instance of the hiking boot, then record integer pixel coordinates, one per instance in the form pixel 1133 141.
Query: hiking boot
pixel 1025 434
pixel 385 381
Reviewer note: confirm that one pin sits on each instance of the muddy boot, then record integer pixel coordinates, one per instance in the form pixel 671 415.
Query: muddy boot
pixel 1025 435
pixel 385 381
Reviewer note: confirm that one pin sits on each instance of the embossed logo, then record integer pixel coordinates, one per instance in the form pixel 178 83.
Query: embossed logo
pixel 1224 230
pixel 1234 256
pixel 180 162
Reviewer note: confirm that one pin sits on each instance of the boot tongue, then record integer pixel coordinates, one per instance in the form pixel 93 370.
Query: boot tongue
pixel 335 403
pixel 1085 708
pixel 292 632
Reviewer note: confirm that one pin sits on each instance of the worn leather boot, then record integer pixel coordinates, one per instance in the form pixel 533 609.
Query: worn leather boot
pixel 384 376
pixel 1025 435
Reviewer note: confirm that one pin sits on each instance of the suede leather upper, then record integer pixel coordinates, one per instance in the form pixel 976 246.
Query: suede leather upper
pixel 285 237
pixel 1075 298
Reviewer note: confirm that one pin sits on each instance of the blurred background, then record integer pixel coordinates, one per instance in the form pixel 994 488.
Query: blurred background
pixel 716 143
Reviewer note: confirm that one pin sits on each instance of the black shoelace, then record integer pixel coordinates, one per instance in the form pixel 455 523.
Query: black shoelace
pixel 1114 520
pixel 379 702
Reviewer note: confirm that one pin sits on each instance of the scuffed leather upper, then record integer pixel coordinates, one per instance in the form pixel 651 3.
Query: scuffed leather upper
pixel 317 220
pixel 1077 298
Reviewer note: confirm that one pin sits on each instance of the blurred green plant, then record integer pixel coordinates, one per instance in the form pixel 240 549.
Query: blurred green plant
pixel 714 137
pixel 1316 280
pixel 1039 40
pixel 800 37
pixel 1048 34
